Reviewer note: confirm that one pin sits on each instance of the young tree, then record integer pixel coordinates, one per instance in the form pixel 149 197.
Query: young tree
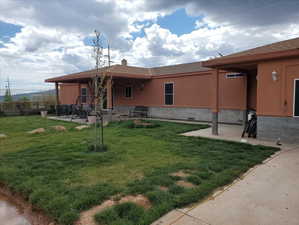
pixel 100 90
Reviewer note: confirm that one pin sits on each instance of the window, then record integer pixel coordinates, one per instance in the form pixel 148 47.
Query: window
pixel 296 98
pixel 168 91
pixel 234 75
pixel 83 95
pixel 128 92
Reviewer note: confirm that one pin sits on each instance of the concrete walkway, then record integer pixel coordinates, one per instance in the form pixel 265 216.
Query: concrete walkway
pixel 267 194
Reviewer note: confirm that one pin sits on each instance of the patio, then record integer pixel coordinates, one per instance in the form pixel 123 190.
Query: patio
pixel 230 132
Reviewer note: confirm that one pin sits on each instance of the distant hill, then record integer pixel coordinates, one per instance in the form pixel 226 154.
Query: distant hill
pixel 30 95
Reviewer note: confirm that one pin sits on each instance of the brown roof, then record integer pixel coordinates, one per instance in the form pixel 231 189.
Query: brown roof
pixel 178 69
pixel 274 47
pixel 287 48
pixel 115 70
pixel 133 72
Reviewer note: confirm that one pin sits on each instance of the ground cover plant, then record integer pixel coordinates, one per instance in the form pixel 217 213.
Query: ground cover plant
pixel 56 172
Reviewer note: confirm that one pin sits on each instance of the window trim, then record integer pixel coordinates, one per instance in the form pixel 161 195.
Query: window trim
pixel 86 95
pixel 171 82
pixel 294 98
pixel 125 92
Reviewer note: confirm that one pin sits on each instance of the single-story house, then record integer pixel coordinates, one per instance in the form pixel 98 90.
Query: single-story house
pixel 224 89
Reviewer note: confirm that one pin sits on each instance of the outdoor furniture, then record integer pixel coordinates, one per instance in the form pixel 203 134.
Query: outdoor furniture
pixel 139 111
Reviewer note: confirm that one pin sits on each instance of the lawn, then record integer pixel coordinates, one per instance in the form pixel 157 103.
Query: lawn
pixel 56 172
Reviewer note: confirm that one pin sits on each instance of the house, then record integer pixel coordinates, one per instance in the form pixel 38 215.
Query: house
pixel 224 89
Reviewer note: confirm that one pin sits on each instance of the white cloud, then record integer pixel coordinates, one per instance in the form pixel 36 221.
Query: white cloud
pixel 51 40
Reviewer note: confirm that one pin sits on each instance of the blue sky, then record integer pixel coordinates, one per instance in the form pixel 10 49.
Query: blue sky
pixel 53 38
pixel 8 30
pixel 179 22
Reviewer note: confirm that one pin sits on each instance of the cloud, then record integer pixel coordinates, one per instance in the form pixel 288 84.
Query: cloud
pixel 234 12
pixel 51 40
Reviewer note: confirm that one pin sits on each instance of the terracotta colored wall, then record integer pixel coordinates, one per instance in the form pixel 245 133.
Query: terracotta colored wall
pixel 251 90
pixel 275 98
pixel 194 91
pixel 68 93
pixel 232 92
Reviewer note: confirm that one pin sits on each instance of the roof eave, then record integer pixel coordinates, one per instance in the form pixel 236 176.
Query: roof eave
pixel 254 58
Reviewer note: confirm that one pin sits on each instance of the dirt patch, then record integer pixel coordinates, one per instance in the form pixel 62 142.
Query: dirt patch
pixel 3 136
pixel 82 127
pixel 138 200
pixel 37 131
pixel 87 217
pixel 59 128
pixel 185 184
pixel 180 173
pixel 163 188
pixel 34 215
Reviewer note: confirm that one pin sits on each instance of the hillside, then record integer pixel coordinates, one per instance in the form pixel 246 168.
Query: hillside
pixel 30 95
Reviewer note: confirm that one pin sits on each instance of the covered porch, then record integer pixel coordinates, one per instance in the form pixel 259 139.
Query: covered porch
pixel 76 91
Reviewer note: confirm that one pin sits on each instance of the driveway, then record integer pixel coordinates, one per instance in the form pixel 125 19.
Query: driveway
pixel 267 195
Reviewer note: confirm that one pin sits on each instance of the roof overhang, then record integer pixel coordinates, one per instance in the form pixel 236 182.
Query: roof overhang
pixel 237 61
pixel 87 76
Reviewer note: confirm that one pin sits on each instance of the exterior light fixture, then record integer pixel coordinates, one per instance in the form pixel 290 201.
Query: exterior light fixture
pixel 274 75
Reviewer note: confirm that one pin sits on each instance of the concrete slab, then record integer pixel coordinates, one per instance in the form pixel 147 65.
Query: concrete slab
pixel 230 132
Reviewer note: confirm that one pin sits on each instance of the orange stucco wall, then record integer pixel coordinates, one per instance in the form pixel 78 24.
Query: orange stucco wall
pixel 194 91
pixel 69 92
pixel 275 98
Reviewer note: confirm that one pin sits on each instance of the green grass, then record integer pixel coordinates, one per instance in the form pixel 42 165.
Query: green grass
pixel 56 172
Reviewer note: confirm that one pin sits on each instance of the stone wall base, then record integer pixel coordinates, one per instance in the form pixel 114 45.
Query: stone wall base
pixel 273 128
pixel 196 114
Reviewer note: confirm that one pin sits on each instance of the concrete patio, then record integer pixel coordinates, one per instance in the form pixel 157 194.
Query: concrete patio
pixel 266 195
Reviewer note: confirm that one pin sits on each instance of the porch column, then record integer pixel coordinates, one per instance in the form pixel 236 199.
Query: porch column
pixel 57 98
pixel 79 98
pixel 110 97
pixel 245 112
pixel 215 107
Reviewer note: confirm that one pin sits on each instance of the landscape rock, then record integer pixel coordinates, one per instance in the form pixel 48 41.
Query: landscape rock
pixel 59 128
pixel 81 127
pixel 2 136
pixel 37 131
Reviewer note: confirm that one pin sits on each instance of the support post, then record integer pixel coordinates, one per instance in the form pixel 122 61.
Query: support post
pixel 57 98
pixel 215 109
pixel 110 97
pixel 245 112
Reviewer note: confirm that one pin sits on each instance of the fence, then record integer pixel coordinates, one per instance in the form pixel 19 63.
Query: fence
pixel 25 108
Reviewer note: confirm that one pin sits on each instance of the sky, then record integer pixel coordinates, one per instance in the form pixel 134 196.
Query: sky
pixel 43 39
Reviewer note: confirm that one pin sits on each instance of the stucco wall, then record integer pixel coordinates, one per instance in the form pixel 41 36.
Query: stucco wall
pixel 195 91
pixel 69 92
pixel 275 98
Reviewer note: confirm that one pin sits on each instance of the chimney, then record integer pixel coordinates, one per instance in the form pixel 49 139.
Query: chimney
pixel 124 62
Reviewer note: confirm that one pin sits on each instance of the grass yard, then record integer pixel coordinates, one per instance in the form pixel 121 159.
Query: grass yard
pixel 57 173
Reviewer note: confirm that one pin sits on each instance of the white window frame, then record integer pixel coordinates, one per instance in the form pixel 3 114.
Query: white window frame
pixel 125 94
pixel 294 98
pixel 172 94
